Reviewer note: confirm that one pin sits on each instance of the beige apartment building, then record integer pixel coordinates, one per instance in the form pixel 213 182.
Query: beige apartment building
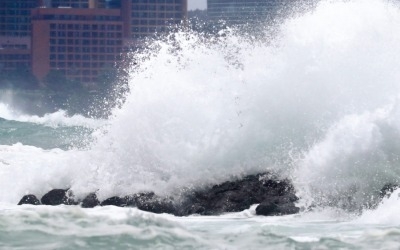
pixel 79 38
pixel 80 43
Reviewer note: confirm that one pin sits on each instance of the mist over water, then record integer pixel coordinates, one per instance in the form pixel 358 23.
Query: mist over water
pixel 316 103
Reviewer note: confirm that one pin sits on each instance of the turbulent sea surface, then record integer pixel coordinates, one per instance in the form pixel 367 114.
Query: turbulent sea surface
pixel 316 102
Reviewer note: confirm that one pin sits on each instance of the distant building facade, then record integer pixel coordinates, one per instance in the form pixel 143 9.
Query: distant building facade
pixel 144 18
pixel 15 53
pixel 78 3
pixel 15 17
pixel 79 38
pixel 80 43
pixel 242 11
pixel 15 32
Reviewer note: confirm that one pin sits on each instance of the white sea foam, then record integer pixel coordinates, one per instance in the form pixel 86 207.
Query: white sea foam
pixel 56 119
pixel 385 214
pixel 317 104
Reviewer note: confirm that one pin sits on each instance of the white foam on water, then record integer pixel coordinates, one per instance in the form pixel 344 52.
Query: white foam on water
pixel 56 119
pixel 385 214
pixel 317 103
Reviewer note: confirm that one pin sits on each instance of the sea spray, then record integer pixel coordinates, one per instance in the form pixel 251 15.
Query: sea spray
pixel 202 110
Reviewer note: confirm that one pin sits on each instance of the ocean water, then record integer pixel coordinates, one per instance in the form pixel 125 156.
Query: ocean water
pixel 316 102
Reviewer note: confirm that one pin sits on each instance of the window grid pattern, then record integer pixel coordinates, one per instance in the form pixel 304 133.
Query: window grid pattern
pixel 149 17
pixel 15 17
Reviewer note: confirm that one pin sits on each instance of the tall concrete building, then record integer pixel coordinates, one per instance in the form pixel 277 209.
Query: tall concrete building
pixel 15 32
pixel 79 43
pixel 79 38
pixel 15 17
pixel 242 11
pixel 78 3
pixel 144 18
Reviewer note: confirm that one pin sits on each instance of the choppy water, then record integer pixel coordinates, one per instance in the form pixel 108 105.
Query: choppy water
pixel 29 227
pixel 316 103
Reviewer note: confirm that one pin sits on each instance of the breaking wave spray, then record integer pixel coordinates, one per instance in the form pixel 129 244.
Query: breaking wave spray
pixel 317 103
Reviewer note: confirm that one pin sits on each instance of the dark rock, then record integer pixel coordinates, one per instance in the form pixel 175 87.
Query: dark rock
pixel 277 206
pixel 115 201
pixel 144 201
pixel 29 199
pixel 151 203
pixel 236 196
pixel 58 197
pixel 387 190
pixel 276 197
pixel 142 198
pixel 90 201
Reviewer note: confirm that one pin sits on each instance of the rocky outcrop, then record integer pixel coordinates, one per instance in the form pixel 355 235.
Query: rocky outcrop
pixel 276 197
pixel 90 201
pixel 29 199
pixel 236 196
pixel 144 201
pixel 278 206
pixel 115 201
pixel 152 203
pixel 387 190
pixel 57 197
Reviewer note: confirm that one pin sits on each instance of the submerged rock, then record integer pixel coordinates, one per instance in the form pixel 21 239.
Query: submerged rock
pixel 57 197
pixel 29 199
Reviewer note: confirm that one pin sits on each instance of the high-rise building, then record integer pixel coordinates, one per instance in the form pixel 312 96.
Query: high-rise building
pixel 79 43
pixel 15 53
pixel 78 3
pixel 145 18
pixel 79 38
pixel 15 17
pixel 242 11
pixel 15 31
pixel 113 4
